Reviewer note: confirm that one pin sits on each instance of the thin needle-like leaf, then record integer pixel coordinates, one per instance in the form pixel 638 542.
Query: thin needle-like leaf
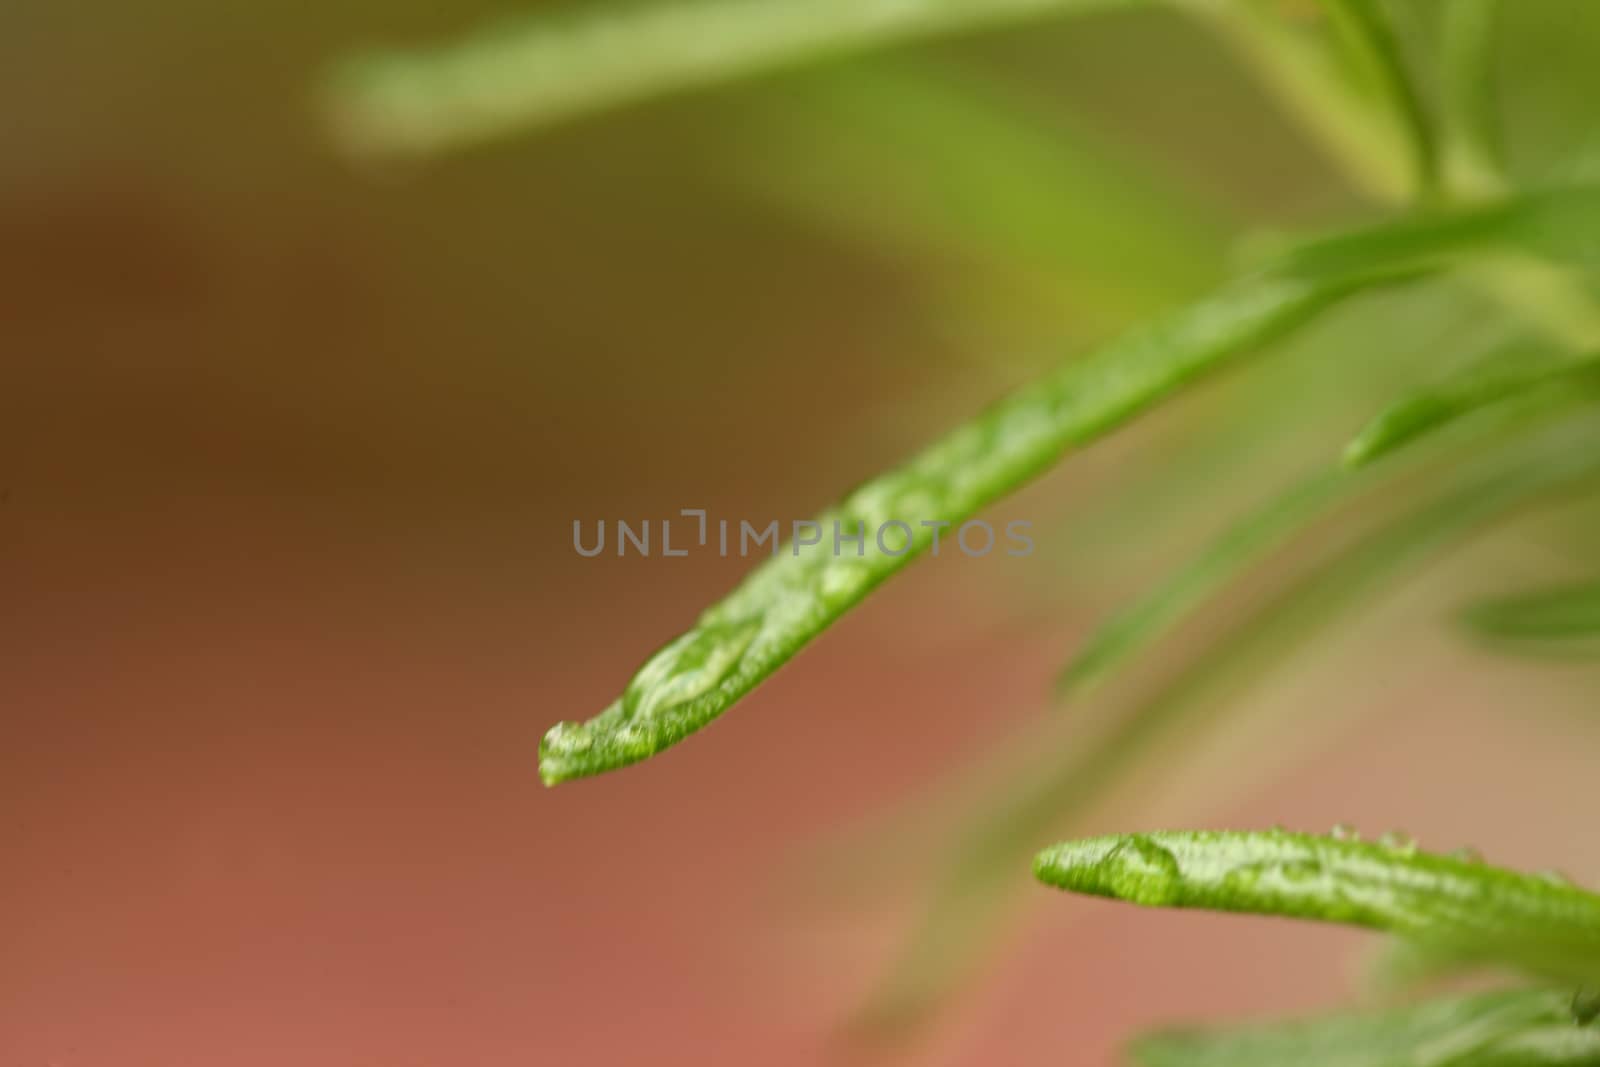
pixel 1555 225
pixel 1363 27
pixel 1467 86
pixel 1545 1046
pixel 1561 620
pixel 787 601
pixel 969 899
pixel 1256 535
pixel 1462 1031
pixel 1387 885
pixel 1358 138
pixel 929 164
pixel 1496 381
pixel 545 67
pixel 1244 543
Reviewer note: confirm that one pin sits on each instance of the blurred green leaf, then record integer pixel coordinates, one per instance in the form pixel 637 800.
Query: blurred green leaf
pixel 1365 31
pixel 1553 225
pixel 1387 885
pixel 1302 70
pixel 1223 560
pixel 1494 381
pixel 787 601
pixel 927 163
pixel 1565 619
pixel 1468 82
pixel 1465 1031
pixel 1053 790
pixel 1294 63
pixel 1545 1046
pixel 547 66
pixel 1248 540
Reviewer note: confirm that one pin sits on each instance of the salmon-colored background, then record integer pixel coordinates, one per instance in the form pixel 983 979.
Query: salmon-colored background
pixel 289 454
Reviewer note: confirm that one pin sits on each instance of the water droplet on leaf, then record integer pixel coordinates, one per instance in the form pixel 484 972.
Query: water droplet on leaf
pixel 687 668
pixel 1398 842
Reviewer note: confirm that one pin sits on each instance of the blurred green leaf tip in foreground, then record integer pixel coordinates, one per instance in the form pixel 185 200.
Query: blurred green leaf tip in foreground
pixel 1503 1028
pixel 519 73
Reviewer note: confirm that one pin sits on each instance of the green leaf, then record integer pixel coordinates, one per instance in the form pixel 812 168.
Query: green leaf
pixel 548 66
pixel 1302 73
pixel 1467 94
pixel 1362 26
pixel 1451 1032
pixel 1494 381
pixel 1388 885
pixel 1059 783
pixel 930 164
pixel 1555 620
pixel 1545 1046
pixel 1275 523
pixel 1556 225
pixel 1223 560
pixel 793 597
pixel 1298 72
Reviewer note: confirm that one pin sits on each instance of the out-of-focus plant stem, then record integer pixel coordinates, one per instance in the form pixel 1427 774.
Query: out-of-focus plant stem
pixel 1371 152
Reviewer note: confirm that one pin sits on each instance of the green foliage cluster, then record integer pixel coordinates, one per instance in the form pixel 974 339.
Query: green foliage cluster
pixel 1404 97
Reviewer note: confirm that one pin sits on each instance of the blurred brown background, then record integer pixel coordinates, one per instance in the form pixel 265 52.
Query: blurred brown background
pixel 290 449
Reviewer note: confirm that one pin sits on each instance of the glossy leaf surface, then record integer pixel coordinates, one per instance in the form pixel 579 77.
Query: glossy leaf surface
pixel 1387 885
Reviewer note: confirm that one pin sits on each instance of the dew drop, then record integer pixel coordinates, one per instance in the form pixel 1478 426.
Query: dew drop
pixel 569 738
pixel 1142 871
pixel 1344 832
pixel 630 736
pixel 1550 877
pixel 1398 842
pixel 1300 871
pixel 843 582
pixel 1466 854
pixel 687 668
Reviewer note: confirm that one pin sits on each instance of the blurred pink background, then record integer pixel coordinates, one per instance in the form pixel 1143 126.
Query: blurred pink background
pixel 289 454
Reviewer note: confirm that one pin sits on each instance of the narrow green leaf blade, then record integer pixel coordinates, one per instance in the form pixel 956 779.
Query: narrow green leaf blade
pixel 1496 381
pixel 1467 92
pixel 791 598
pixel 545 67
pixel 787 601
pixel 1365 30
pixel 1222 560
pixel 926 163
pixel 1454 1031
pixel 1388 886
pixel 1556 225
pixel 1555 1045
pixel 1564 618
pixel 1065 782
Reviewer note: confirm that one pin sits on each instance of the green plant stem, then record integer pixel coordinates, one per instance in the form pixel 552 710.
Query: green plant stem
pixel 1475 156
pixel 1366 33
pixel 1373 156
